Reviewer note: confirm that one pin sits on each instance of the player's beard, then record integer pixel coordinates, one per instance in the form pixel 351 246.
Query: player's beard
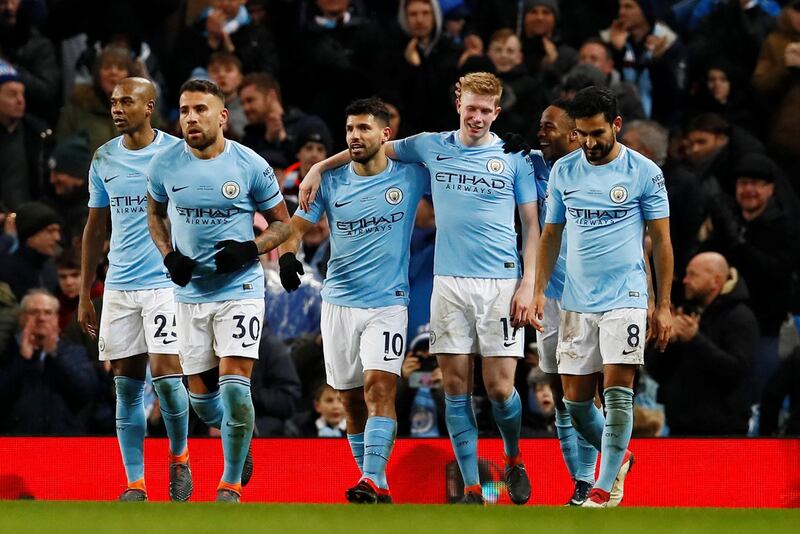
pixel 599 152
pixel 205 141
pixel 369 153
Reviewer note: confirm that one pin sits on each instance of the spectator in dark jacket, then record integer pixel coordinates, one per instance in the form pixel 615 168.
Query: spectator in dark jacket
pixel 275 386
pixel 760 239
pixel 785 382
pixel 704 375
pixel 45 382
pixel 23 140
pixel 39 231
pixel 546 55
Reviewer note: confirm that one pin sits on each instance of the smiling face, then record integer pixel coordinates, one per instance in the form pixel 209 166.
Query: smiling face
pixel 556 133
pixel 752 194
pixel 202 117
pixel 539 22
pixel 505 53
pixel 477 113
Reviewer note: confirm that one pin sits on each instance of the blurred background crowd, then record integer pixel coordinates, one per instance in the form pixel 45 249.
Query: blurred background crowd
pixel 708 89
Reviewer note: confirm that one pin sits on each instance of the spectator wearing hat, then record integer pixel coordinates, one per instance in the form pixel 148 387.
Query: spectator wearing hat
pixel 594 51
pixel 761 240
pixel 312 147
pixel 69 167
pixel 31 266
pixel 23 142
pixel 650 55
pixel 272 129
pixel 545 53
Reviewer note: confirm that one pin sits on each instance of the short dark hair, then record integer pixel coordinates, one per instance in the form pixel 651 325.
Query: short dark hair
pixel 561 103
pixel 600 42
pixel 70 259
pixel 264 82
pixel 225 59
pixel 709 122
pixel 369 106
pixel 590 101
pixel 202 86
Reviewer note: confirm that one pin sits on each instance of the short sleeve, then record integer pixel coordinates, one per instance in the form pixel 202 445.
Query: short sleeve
pixel 556 211
pixel 264 187
pixel 317 208
pixel 412 149
pixel 654 202
pixel 98 196
pixel 525 179
pixel 155 181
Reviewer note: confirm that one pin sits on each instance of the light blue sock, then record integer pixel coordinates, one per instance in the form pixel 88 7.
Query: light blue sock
pixel 568 439
pixel 174 403
pixel 208 407
pixel 463 432
pixel 379 437
pixel 587 457
pixel 508 416
pixel 131 425
pixel 357 447
pixel 237 424
pixel 587 420
pixel 616 435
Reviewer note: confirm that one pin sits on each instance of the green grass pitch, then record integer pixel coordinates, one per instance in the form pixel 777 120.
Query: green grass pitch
pixel 198 518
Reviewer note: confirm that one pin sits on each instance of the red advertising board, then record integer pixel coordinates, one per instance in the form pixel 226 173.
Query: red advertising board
pixel 667 472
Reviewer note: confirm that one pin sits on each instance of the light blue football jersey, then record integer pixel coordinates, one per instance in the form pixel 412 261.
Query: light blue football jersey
pixel 555 288
pixel 371 219
pixel 475 191
pixel 605 208
pixel 211 201
pixel 118 181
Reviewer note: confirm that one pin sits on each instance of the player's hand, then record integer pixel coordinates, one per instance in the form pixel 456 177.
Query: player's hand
pixel 290 271
pixel 309 187
pixel 538 312
pixel 662 327
pixel 87 319
pixel 521 305
pixel 651 309
pixel 180 267
pixel 233 255
pixel 515 143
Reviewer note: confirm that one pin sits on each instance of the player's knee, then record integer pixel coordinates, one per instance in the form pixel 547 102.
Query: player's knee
pixel 165 364
pixel 499 392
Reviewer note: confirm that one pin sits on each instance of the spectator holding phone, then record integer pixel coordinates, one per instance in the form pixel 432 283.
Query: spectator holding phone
pixel 420 398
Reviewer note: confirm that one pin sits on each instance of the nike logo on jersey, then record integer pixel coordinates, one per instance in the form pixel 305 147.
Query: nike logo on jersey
pixel 567 193
pixel 626 352
pixel 246 345
pixel 439 157
pixel 509 343
pixel 176 189
pixel 340 204
pixel 106 180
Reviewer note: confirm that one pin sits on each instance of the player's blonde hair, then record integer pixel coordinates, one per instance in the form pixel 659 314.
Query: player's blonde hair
pixel 482 84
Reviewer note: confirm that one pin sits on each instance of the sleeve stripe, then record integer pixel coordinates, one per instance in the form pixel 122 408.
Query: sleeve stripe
pixel 268 199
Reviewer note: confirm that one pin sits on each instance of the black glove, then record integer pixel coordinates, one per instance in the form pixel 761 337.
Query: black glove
pixel 180 267
pixel 513 142
pixel 290 269
pixel 234 255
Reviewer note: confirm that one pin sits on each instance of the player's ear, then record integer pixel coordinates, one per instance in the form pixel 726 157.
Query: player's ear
pixel 151 105
pixel 617 124
pixel 386 134
pixel 223 116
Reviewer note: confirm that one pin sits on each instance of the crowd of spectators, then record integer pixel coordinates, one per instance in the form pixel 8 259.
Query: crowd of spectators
pixel 708 89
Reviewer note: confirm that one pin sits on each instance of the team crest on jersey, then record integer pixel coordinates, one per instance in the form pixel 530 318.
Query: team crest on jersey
pixel 432 335
pixel 618 194
pixel 230 190
pixel 495 166
pixel 101 344
pixel 393 196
